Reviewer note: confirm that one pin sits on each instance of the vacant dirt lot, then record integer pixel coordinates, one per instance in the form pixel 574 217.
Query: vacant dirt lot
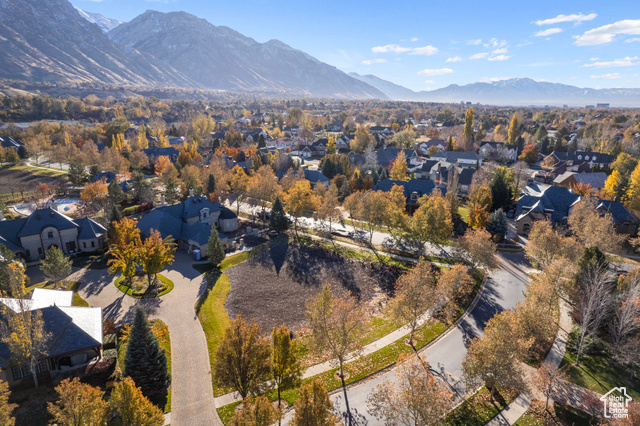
pixel 274 286
pixel 16 181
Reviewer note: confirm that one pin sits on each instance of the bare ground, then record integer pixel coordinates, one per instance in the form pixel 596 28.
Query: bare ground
pixel 274 286
pixel 16 181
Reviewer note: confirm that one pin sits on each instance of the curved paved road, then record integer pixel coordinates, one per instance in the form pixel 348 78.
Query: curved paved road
pixel 503 289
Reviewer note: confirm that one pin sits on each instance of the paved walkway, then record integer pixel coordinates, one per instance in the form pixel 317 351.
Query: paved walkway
pixel 191 390
pixel 521 404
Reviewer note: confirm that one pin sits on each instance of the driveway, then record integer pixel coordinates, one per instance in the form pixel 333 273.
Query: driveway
pixel 191 390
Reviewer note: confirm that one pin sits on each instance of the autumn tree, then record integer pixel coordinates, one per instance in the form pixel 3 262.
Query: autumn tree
pixel 467 134
pixel 633 191
pixel 404 139
pixel 476 248
pixel 361 140
pixel 145 361
pixel 258 413
pixel 313 407
pixel 154 253
pixel 95 193
pixel 480 203
pixel 123 248
pixel 592 229
pixel 328 210
pixel 23 331
pixel 399 168
pixel 454 285
pixel 238 184
pixel 264 187
pixel 215 251
pixel 415 397
pixel 529 154
pixel 514 129
pixel 243 358
pixel 55 265
pixel 285 360
pixel 202 126
pixel 547 379
pixel 78 404
pixel 416 292
pixel 338 326
pixel 372 211
pixel 6 408
pixel 431 222
pixel 626 315
pixel 331 145
pixel 547 245
pixel 299 200
pixel 613 186
pixel 495 358
pixel 132 407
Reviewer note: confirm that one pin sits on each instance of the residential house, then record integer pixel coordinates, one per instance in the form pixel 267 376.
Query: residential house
pixel 30 237
pixel 292 131
pixel 466 159
pixel 189 223
pixel 153 152
pixel 577 157
pixel 179 141
pixel 7 142
pixel 413 189
pixel 74 335
pixel 343 143
pixel 554 203
pixel 426 170
pixel 386 155
pixel 383 131
pixel 465 177
pixel 568 179
pixel 356 159
pixel 315 177
pixel 422 147
pixel 498 151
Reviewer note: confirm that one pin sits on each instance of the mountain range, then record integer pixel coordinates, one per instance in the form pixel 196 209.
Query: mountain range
pixel 50 41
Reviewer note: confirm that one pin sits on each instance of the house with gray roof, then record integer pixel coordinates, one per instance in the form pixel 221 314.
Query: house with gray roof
pixel 189 223
pixel 498 151
pixel 386 155
pixel 599 159
pixel 568 179
pixel 74 335
pixel 554 203
pixel 467 159
pixel 30 237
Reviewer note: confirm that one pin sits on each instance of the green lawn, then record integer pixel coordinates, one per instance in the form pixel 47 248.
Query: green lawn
pixel 464 213
pixel 479 409
pixel 64 285
pixel 600 374
pixel 45 171
pixel 93 261
pixel 142 293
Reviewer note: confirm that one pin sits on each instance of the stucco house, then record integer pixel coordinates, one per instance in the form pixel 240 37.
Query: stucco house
pixel 30 237
pixel 189 223
pixel 466 159
pixel 498 151
pixel 74 335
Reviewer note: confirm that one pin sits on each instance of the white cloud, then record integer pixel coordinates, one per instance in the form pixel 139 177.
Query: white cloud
pixel 390 48
pixel 500 51
pixel 495 43
pixel 498 58
pixel 430 72
pixel 476 42
pixel 548 32
pixel 479 55
pixel 454 59
pixel 606 33
pixel 632 40
pixel 594 59
pixel 426 50
pixel 609 76
pixel 429 82
pixel 415 39
pixel 574 17
pixel 374 61
pixel 624 62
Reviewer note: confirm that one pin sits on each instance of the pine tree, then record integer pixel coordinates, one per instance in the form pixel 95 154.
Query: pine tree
pixel 116 194
pixel 145 361
pixel 55 265
pixel 77 174
pixel 278 220
pixel 171 191
pixel 215 251
pixel 497 224
pixel 211 184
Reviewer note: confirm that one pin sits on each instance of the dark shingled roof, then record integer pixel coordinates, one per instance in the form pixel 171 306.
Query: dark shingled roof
pixel 315 176
pixel 386 155
pixel 89 229
pixel 421 186
pixel 454 156
pixel 556 200
pixel 465 176
pixel 619 213
pixel 42 218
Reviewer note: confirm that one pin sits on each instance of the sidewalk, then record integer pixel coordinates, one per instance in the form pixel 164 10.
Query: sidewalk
pixel 521 404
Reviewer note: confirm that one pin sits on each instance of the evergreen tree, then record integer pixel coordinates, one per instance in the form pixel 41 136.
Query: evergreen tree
pixel 497 224
pixel 55 265
pixel 450 144
pixel 171 194
pixel 278 220
pixel 145 361
pixel 116 214
pixel 116 194
pixel 77 175
pixel 500 193
pixel 6 258
pixel 215 251
pixel 345 191
pixel 211 184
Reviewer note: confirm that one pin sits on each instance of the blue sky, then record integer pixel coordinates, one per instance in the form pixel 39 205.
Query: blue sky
pixel 425 45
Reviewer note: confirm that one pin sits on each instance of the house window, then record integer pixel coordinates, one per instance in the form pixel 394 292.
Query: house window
pixel 39 250
pixel 579 157
pixel 84 245
pixel 93 243
pixel 593 158
pixel 71 246
pixel 16 373
pixel 25 370
pixel 42 366
pixel 586 157
pixel 50 234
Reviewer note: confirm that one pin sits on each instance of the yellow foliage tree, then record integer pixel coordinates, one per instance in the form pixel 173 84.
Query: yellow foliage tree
pixel 399 169
pixel 613 185
pixel 94 191
pixel 300 199
pixel 154 253
pixel 633 193
pixel 124 241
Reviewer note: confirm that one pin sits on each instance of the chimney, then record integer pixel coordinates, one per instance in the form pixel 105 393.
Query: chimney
pixel 162 202
pixel 190 192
